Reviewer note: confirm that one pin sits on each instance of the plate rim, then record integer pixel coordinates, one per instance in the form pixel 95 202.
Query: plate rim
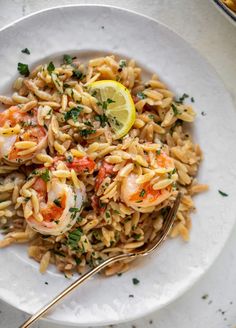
pixel 227 12
pixel 216 254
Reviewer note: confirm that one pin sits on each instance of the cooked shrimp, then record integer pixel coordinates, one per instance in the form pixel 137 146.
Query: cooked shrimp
pixel 21 137
pixel 82 165
pixel 154 191
pixel 58 206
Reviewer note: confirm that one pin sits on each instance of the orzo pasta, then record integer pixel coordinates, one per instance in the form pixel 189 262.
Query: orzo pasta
pixel 85 176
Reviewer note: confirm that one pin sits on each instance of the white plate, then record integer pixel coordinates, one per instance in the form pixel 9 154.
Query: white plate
pixel 164 276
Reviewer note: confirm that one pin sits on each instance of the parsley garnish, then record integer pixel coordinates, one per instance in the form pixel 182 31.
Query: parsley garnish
pixel 50 67
pixel 67 59
pixel 142 193
pixel 119 274
pixel 73 209
pixel 57 202
pixel 102 118
pixel 175 110
pixel 84 133
pixel 74 237
pixel 88 123
pixel 109 101
pixel 122 63
pixel 182 98
pixel 45 175
pixel 137 236
pixel 78 74
pixel 73 114
pixel 192 100
pixel 135 281
pixel 222 193
pixel 69 158
pixel 23 69
pixel 204 297
pixel 159 152
pixel 141 95
pixel 78 260
pixel 108 215
pixel 25 51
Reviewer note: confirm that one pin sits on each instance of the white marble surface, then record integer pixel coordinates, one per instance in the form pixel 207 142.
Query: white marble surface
pixel 208 31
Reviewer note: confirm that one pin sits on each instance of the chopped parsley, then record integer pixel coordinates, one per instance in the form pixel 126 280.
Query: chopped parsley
pixel 204 297
pixel 203 113
pixel 67 59
pixel 135 281
pixel 25 51
pixel 141 95
pixel 86 132
pixel 110 101
pixel 73 209
pixel 222 193
pixel 57 202
pixel 69 158
pixel 45 175
pixel 94 93
pixel 182 98
pixel 122 63
pixel 107 215
pixel 78 74
pixel 88 123
pixel 192 99
pixel 74 237
pixel 131 295
pixel 119 274
pixel 78 260
pixel 142 193
pixel 102 118
pixel 172 172
pixel 23 69
pixel 158 152
pixel 104 104
pixel 34 172
pixel 50 67
pixel 137 236
pixel 73 113
pixel 175 110
pixel 46 283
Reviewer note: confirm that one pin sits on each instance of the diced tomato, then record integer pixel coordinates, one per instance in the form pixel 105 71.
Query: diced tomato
pixel 105 170
pixel 52 212
pixel 96 204
pixel 80 165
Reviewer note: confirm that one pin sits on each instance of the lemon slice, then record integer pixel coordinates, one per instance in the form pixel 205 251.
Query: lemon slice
pixel 117 103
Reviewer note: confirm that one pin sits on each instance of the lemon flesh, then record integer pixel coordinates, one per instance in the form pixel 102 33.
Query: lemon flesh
pixel 117 104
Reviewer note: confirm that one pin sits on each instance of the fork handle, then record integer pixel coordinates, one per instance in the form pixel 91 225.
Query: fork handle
pixel 70 288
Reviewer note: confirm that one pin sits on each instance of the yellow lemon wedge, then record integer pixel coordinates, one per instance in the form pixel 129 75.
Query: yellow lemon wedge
pixel 117 103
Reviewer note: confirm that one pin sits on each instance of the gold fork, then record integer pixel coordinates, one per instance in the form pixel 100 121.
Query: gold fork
pixel 142 251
